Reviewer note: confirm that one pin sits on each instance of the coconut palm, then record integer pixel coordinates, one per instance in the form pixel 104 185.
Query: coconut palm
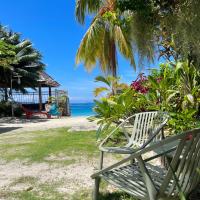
pixel 112 85
pixel 27 62
pixel 7 55
pixel 107 34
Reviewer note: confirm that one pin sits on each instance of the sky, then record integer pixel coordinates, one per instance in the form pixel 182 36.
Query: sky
pixel 54 31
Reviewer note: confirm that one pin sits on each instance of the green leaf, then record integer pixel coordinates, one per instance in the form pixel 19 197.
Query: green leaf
pixel 99 90
pixel 190 98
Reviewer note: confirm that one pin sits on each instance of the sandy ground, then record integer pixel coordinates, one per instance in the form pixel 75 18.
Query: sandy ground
pixel 73 178
pixel 8 125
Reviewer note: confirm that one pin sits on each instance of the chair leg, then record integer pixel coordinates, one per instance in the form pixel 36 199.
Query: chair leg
pixel 96 189
pixel 101 160
pixel 97 180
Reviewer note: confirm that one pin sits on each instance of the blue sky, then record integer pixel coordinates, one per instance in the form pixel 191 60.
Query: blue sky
pixel 52 28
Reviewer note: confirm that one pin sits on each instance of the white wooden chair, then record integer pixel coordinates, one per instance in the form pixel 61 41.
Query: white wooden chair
pixel 139 130
pixel 145 181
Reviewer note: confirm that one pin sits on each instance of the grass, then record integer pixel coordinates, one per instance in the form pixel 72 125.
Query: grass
pixel 37 146
pixel 45 192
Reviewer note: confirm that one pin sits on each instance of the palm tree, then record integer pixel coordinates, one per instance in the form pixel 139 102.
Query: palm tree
pixel 112 85
pixel 27 61
pixel 108 33
pixel 7 55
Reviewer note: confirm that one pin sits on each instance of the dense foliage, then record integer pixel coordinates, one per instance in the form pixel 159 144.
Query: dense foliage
pixel 18 57
pixel 172 25
pixel 172 89
pixel 6 109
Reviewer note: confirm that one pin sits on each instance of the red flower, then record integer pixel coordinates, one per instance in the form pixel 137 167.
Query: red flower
pixel 138 84
pixel 159 79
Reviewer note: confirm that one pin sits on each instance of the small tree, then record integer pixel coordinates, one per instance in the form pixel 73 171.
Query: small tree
pixel 19 57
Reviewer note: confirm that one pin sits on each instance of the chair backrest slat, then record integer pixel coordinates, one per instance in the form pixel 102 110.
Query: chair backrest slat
pixel 181 166
pixel 182 173
pixel 141 128
pixel 145 123
pixel 191 171
pixel 135 127
pixel 189 164
pixel 196 178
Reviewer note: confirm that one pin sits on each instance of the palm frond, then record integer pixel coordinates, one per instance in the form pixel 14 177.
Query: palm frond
pixel 103 80
pixel 89 49
pixel 86 6
pixel 124 44
pixel 99 90
pixel 24 43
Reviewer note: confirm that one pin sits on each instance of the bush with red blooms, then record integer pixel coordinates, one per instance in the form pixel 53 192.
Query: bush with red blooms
pixel 159 79
pixel 139 84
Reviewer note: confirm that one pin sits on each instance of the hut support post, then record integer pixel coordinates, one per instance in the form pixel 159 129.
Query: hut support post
pixel 40 98
pixel 6 94
pixel 50 93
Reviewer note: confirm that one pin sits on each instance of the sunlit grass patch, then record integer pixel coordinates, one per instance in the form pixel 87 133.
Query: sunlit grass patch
pixel 42 144
pixel 46 192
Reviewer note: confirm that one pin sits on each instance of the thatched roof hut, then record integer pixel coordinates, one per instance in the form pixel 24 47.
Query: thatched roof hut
pixel 44 81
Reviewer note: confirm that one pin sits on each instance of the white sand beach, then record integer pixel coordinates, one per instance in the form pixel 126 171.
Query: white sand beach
pixel 16 125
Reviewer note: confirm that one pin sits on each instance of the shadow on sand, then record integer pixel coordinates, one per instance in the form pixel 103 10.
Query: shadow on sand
pixel 8 129
pixel 7 122
pixel 10 120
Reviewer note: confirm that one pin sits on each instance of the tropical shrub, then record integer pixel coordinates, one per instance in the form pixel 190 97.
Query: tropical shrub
pixel 113 108
pixel 173 88
pixel 112 86
pixel 140 84
pixel 110 110
pixel 5 109
pixel 176 90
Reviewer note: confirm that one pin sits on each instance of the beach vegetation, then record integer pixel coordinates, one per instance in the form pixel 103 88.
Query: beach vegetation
pixel 170 26
pixel 107 35
pixel 37 146
pixel 18 58
pixel 171 88
pixel 7 55
pixel 112 85
pixel 6 109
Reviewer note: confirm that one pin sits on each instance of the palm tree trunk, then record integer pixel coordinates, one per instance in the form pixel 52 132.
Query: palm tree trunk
pixel 113 59
pixel 113 62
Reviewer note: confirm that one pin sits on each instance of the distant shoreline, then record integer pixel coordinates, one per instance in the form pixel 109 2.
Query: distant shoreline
pixel 17 125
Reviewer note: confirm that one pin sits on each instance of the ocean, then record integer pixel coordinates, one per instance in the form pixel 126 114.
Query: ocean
pixel 81 109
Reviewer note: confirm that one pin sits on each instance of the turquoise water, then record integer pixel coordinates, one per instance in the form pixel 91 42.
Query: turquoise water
pixel 82 109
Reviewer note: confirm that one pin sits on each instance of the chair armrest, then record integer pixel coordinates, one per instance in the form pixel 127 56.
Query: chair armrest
pixel 112 132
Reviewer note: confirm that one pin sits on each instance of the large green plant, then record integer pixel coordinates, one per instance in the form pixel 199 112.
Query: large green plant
pixel 7 55
pixel 26 60
pixel 172 25
pixel 110 111
pixel 107 35
pixel 112 85
pixel 115 107
pixel 161 81
pixel 172 88
pixel 175 89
